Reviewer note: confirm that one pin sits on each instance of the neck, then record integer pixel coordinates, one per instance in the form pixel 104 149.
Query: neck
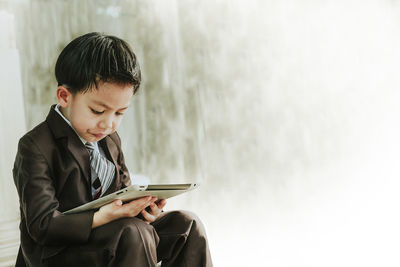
pixel 64 112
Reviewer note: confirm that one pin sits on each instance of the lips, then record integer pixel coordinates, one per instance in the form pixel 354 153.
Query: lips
pixel 98 135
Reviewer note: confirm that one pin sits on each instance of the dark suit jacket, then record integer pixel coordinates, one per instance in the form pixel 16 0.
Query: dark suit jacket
pixel 52 175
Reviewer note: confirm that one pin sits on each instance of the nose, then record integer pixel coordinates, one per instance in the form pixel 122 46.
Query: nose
pixel 106 122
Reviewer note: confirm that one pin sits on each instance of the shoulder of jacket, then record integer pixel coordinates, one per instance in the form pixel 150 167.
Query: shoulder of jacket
pixel 40 136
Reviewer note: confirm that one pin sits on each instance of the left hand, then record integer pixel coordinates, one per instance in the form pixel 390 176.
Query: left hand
pixel 151 214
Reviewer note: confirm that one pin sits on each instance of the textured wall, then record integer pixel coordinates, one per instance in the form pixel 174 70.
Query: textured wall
pixel 286 111
pixel 163 125
pixel 12 125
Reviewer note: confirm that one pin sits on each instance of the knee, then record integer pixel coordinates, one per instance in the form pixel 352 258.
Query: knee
pixel 191 219
pixel 134 230
pixel 137 241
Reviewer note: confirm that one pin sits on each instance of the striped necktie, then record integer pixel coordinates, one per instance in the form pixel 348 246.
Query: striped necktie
pixel 104 170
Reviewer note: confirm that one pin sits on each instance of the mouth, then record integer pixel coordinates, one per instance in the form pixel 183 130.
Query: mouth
pixel 99 135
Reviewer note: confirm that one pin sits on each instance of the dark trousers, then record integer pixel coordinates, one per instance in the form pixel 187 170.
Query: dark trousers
pixel 176 238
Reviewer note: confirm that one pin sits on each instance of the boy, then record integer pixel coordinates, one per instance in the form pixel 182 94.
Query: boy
pixel 75 156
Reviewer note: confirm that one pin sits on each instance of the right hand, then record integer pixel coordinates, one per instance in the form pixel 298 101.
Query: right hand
pixel 116 210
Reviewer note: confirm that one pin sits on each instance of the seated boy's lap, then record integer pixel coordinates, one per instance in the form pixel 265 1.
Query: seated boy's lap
pixel 103 243
pixel 107 237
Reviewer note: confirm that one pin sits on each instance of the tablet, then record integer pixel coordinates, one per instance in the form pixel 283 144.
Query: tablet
pixel 137 191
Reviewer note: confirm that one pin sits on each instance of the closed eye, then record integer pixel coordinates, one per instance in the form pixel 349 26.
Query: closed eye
pixel 97 112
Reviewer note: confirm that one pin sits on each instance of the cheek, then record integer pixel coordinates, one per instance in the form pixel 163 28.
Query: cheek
pixel 81 124
pixel 117 122
pixel 85 121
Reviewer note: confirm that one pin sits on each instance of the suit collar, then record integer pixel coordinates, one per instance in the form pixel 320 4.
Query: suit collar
pixel 58 125
pixel 110 149
pixel 62 131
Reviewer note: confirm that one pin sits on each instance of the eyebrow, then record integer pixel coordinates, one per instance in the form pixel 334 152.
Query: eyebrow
pixel 106 106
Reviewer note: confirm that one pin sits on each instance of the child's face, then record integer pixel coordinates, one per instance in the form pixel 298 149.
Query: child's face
pixel 98 112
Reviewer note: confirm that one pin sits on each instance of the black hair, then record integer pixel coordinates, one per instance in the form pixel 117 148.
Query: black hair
pixel 96 57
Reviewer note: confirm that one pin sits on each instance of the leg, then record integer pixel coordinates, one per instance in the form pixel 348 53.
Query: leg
pixel 20 259
pixel 183 241
pixel 121 243
pixel 137 245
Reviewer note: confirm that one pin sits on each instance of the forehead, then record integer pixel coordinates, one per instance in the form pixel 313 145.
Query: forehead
pixel 112 95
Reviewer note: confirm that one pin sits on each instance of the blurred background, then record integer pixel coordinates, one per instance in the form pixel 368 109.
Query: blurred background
pixel 285 111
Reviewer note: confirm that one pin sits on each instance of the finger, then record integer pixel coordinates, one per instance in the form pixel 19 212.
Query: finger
pixel 161 204
pixel 134 207
pixel 117 202
pixel 140 202
pixel 154 209
pixel 137 205
pixel 148 217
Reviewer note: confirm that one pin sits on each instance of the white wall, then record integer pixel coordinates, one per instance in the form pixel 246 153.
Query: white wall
pixel 12 126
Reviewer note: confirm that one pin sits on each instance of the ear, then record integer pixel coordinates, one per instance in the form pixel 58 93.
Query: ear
pixel 64 96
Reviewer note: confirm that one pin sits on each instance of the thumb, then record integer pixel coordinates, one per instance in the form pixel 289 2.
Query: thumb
pixel 118 202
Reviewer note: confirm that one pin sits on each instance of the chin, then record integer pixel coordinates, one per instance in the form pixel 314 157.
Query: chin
pixel 90 138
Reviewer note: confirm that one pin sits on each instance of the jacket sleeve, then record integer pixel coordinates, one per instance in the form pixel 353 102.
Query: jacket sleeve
pixel 38 202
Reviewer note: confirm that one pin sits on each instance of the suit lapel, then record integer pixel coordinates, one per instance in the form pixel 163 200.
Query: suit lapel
pixel 62 130
pixel 81 155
